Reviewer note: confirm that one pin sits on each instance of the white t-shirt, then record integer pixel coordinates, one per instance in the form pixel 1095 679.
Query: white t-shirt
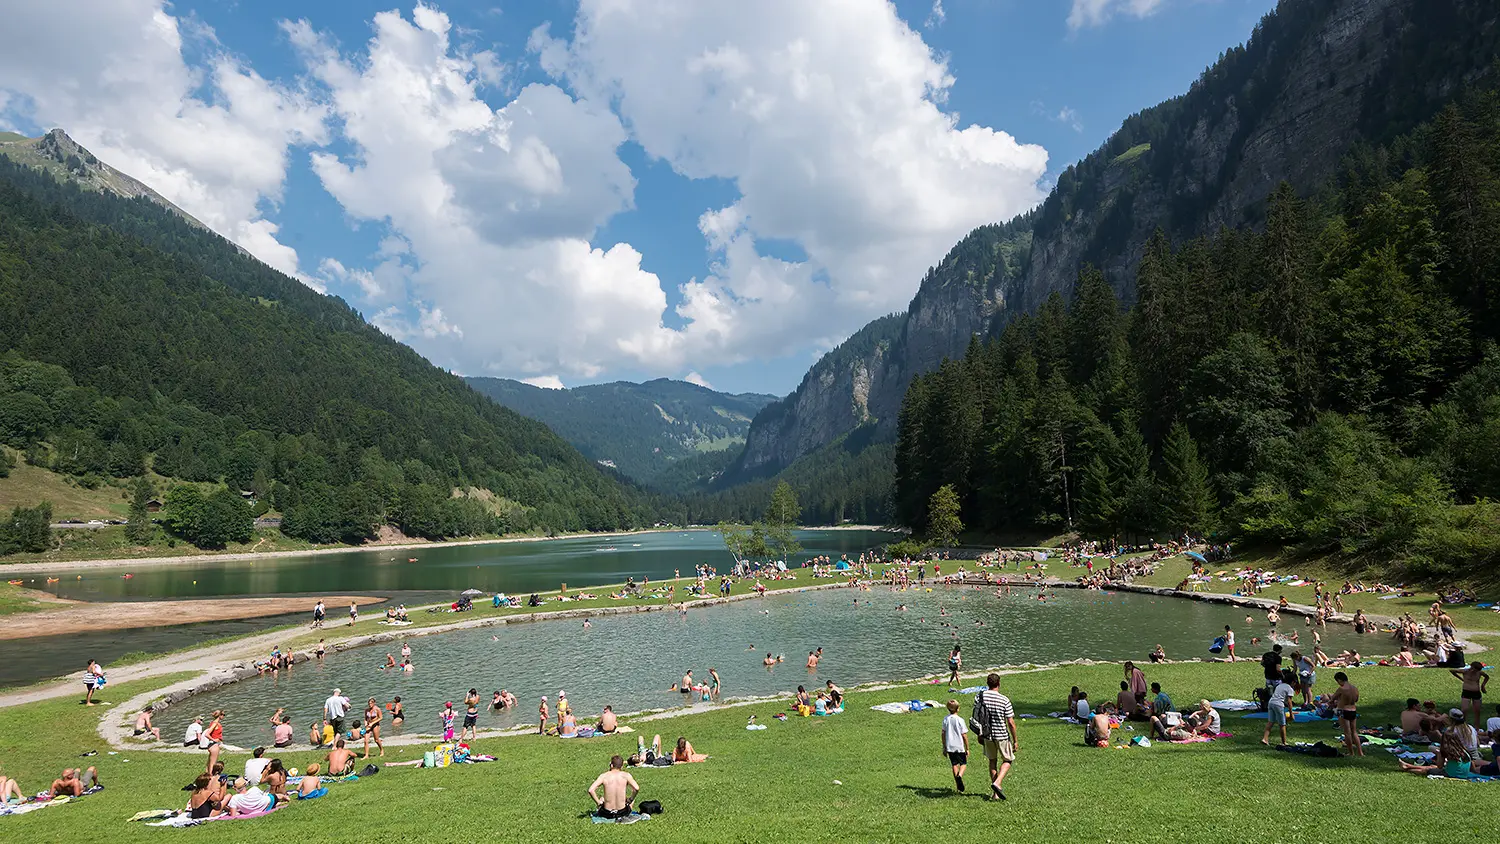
pixel 194 731
pixel 953 733
pixel 1081 709
pixel 251 801
pixel 1280 694
pixel 1214 722
pixel 1492 726
pixel 336 706
pixel 1229 638
pixel 254 768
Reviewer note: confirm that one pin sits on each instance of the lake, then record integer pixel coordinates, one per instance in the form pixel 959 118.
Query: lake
pixel 630 661
pixel 411 575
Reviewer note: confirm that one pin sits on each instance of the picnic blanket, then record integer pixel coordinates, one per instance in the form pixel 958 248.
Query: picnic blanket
pixel 1202 738
pixel 898 707
pixel 630 818
pixel 1233 704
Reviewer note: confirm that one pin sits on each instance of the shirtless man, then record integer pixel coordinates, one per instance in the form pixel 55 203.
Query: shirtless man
pixel 1345 699
pixel 340 759
pixel 143 725
pixel 1476 682
pixel 812 660
pixel 607 721
pixel 620 790
pixel 769 660
pixel 72 785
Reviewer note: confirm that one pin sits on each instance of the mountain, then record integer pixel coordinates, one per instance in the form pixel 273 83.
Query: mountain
pixel 135 340
pixel 66 159
pixel 641 430
pixel 1315 79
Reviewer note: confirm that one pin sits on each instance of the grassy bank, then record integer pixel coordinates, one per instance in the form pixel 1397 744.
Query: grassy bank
pixel 1467 617
pixel 780 783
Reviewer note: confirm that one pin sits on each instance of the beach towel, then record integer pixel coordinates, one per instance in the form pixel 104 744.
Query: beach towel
pixel 320 791
pixel 630 817
pixel 1469 778
pixel 1233 704
pixel 152 815
pixel 1200 738
pixel 972 690
pixel 904 706
pixel 755 726
pixel 1294 717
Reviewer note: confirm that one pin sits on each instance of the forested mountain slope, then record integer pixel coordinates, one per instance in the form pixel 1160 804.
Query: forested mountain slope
pixel 1329 381
pixel 1316 78
pixel 640 429
pixel 134 338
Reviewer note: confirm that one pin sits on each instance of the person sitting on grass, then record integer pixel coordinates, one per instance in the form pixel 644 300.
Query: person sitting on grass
pixel 207 799
pixel 310 780
pixel 1417 725
pixel 569 726
pixel 608 723
pixel 620 790
pixel 1096 731
pixel 10 790
pixel 71 784
pixel 1206 720
pixel 835 697
pixel 1158 655
pixel 684 752
pixel 340 760
pixel 143 725
pixel 803 702
pixel 1451 760
pixel 274 779
pixel 249 800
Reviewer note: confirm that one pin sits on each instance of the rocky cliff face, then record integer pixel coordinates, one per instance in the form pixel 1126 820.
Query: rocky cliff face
pixel 1314 78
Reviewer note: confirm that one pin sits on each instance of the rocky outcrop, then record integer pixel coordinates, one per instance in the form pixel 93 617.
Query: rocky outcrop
pixel 1316 77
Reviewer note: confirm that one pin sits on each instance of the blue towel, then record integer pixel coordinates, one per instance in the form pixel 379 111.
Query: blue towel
pixel 1294 717
pixel 972 690
pixel 317 792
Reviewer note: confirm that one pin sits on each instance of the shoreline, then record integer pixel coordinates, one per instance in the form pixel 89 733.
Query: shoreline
pixel 241 556
pixel 73 617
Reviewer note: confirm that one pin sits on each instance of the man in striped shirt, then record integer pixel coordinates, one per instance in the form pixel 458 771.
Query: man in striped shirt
pixel 995 720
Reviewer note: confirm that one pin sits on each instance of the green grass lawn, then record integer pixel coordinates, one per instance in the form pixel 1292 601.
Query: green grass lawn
pixel 14 599
pixel 779 784
pixel 1172 571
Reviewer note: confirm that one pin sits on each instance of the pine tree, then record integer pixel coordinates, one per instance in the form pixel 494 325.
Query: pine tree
pixel 1187 501
pixel 138 528
pixel 1098 506
pixel 1133 483
pixel 1468 199
pixel 1291 304
pixel 943 523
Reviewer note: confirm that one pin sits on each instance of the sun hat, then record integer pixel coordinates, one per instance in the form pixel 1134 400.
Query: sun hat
pixel 1456 713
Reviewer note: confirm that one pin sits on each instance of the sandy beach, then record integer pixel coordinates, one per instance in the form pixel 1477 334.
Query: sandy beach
pixel 13 569
pixel 84 617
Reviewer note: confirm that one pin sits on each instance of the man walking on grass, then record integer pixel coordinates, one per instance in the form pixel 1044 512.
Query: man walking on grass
pixel 995 721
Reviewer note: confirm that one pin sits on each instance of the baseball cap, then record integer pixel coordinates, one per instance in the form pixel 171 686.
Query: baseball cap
pixel 1456 713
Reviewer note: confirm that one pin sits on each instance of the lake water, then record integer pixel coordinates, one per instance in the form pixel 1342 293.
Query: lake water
pixel 437 574
pixel 629 661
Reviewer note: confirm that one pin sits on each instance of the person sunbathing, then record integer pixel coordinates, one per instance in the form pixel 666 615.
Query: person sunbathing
pixel 143 725
pixel 249 800
pixel 274 778
pixel 684 752
pixel 10 788
pixel 608 723
pixel 340 760
pixel 74 784
pixel 620 790
pixel 310 781
pixel 569 726
pixel 206 800
pixel 1405 659
pixel 1096 731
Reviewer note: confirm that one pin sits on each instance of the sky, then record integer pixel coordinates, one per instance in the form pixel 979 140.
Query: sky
pixel 577 191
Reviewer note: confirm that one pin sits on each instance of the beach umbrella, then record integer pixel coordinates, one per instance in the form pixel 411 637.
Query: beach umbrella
pixel 471 592
pixel 1195 555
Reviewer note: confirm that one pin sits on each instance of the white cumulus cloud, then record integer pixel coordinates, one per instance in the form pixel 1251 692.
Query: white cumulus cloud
pixel 1085 13
pixel 694 378
pixel 546 382
pixel 830 120
pixel 212 137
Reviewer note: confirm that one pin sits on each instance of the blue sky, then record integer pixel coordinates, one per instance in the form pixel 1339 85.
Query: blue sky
pixel 464 178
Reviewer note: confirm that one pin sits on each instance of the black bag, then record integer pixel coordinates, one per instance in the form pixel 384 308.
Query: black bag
pixel 369 771
pixel 650 807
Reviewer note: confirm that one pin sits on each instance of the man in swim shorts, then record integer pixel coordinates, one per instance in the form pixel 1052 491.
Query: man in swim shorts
pixel 1345 700
pixel 1476 682
pixel 620 790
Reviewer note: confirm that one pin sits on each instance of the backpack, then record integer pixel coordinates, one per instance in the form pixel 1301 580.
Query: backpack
pixel 650 807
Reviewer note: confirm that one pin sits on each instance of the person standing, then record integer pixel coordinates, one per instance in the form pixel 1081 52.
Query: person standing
pixel 1276 708
pixel 353 613
pixel 334 708
pixel 93 681
pixel 543 712
pixel 319 612
pixel 1345 700
pixel 1476 682
pixel 1229 641
pixel 955 662
pixel 1135 678
pixel 956 744
pixel 471 715
pixel 996 722
pixel 373 716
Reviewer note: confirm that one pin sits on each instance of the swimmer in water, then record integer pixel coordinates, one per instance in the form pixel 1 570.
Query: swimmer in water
pixel 769 660
pixel 587 624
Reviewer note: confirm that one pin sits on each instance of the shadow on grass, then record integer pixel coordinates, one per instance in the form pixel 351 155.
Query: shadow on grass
pixel 931 793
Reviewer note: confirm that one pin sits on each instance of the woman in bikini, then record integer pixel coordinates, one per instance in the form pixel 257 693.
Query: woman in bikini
pixel 372 727
pixel 471 715
pixel 215 737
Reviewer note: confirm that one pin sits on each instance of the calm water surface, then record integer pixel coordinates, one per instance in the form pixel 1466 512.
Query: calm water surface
pixel 436 574
pixel 630 661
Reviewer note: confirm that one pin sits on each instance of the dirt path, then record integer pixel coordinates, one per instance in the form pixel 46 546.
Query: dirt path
pixel 93 617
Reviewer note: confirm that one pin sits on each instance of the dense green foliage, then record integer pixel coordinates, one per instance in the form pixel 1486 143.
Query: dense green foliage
pixel 643 430
pixel 134 339
pixel 27 530
pixel 1331 381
